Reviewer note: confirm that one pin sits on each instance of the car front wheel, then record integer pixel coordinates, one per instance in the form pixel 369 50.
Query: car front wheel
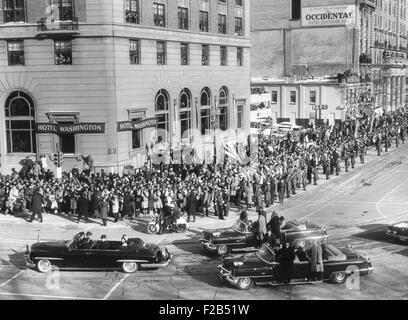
pixel 223 250
pixel 245 283
pixel 44 266
pixel 129 267
pixel 338 277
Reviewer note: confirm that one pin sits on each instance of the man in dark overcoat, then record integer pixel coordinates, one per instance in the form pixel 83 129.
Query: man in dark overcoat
pixel 37 203
pixel 82 207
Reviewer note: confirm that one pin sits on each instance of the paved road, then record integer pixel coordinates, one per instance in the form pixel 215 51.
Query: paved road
pixel 355 206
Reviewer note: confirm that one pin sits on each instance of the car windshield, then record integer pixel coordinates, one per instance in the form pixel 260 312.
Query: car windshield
pixel 266 254
pixel 240 226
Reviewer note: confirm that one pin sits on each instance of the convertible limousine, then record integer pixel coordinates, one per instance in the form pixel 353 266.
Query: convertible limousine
pixel 398 231
pixel 262 267
pixel 241 237
pixel 105 255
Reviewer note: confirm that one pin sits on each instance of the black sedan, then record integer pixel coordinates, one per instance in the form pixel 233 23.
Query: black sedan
pixel 241 237
pixel 262 267
pixel 105 255
pixel 398 231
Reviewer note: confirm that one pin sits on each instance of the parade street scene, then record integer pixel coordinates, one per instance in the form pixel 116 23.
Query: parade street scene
pixel 203 150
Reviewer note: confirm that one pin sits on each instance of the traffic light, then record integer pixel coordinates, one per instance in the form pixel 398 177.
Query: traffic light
pixel 58 158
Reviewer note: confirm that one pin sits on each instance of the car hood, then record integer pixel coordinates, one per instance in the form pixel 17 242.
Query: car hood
pixel 48 246
pixel 249 261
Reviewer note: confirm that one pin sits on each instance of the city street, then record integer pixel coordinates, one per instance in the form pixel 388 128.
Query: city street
pixel 356 207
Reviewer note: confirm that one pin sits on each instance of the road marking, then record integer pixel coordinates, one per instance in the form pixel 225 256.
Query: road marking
pixel 161 239
pixel 45 296
pixel 11 279
pixel 377 205
pixel 115 287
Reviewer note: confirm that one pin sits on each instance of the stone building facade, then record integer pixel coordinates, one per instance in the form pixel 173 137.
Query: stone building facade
pixel 145 72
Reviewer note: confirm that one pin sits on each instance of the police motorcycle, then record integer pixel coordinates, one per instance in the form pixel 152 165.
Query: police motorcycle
pixel 171 222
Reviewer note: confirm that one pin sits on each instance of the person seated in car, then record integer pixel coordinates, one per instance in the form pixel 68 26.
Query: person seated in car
pixel 301 254
pixel 87 241
pixel 282 222
pixel 105 245
pixel 124 240
pixel 243 216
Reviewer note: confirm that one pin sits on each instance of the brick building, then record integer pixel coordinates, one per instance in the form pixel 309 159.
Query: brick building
pixel 364 42
pixel 108 77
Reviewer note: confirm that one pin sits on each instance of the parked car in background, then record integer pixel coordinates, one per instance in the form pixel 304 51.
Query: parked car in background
pixel 398 231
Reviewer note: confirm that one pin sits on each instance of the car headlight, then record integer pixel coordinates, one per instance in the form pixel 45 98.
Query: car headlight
pixel 238 263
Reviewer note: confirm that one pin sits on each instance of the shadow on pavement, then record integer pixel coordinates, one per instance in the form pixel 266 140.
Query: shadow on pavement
pixel 403 252
pixel 376 232
pixel 17 259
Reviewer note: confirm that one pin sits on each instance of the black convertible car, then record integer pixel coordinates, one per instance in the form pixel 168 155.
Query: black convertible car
pixel 241 237
pixel 106 255
pixel 261 267
pixel 398 231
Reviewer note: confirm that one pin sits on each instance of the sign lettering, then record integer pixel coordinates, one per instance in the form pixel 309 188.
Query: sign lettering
pixel 70 128
pixel 137 125
pixel 328 16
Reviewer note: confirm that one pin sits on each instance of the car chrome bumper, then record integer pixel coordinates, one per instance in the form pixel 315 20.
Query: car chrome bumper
pixel 157 265
pixel 208 245
pixel 225 274
pixel 396 236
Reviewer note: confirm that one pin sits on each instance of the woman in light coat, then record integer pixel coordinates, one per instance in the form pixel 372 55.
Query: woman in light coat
pixel 316 264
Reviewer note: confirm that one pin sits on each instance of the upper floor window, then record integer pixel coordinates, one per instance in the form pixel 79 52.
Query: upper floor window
pixel 240 56
pixel 134 51
pixel 63 51
pixel 312 96
pixel 61 10
pixel 183 18
pixel 274 96
pixel 159 14
pixel 239 29
pixel 222 23
pixel 223 55
pixel 205 55
pixel 223 1
pixel 161 52
pixel 204 21
pixel 14 10
pixel 238 3
pixel 295 9
pixel 132 11
pixel 15 52
pixel 184 54
pixel 293 96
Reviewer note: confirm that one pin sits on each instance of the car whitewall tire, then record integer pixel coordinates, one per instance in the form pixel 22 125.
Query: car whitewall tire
pixel 129 267
pixel 245 283
pixel 338 277
pixel 44 266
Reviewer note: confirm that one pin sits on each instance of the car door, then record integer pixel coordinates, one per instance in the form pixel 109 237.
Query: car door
pixel 77 258
pixel 106 257
pixel 301 271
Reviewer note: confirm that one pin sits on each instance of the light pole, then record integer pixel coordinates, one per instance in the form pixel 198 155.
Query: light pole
pixel 214 116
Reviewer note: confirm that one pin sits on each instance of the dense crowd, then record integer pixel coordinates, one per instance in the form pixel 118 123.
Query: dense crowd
pixel 283 166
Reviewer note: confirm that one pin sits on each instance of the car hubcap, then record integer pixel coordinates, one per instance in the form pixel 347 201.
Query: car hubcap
pixel 222 249
pixel 245 282
pixel 129 266
pixel 44 265
pixel 340 276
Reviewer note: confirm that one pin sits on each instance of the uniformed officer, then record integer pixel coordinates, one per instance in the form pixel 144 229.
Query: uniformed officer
pixel 346 161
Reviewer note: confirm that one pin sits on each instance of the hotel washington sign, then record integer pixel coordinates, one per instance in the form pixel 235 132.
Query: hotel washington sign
pixel 136 125
pixel 329 16
pixel 70 128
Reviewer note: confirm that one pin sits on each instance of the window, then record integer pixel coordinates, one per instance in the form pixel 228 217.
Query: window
pixel 159 14
pixel 183 18
pixel 238 3
pixel 20 117
pixel 184 54
pixel 240 55
pixel 312 96
pixel 205 102
pixel 14 11
pixel 222 23
pixel 223 107
pixel 239 29
pixel 205 59
pixel 161 53
pixel 292 97
pixel 136 135
pixel 239 116
pixel 134 51
pixel 63 51
pixel 274 97
pixel 132 11
pixel 15 52
pixel 162 115
pixel 204 21
pixel 295 9
pixel 223 1
pixel 67 141
pixel 185 113
pixel 223 56
pixel 61 10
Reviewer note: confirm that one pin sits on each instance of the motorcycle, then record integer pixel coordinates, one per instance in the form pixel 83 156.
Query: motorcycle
pixel 179 225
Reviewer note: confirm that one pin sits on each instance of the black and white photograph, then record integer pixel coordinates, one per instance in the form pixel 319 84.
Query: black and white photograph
pixel 191 151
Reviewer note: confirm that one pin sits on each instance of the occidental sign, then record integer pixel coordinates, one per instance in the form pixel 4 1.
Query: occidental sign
pixel 328 16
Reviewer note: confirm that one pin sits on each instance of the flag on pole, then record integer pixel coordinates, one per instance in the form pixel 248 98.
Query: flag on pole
pixel 230 152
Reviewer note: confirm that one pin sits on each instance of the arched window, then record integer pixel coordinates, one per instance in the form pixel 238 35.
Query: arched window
pixel 20 117
pixel 162 115
pixel 185 113
pixel 223 107
pixel 205 102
